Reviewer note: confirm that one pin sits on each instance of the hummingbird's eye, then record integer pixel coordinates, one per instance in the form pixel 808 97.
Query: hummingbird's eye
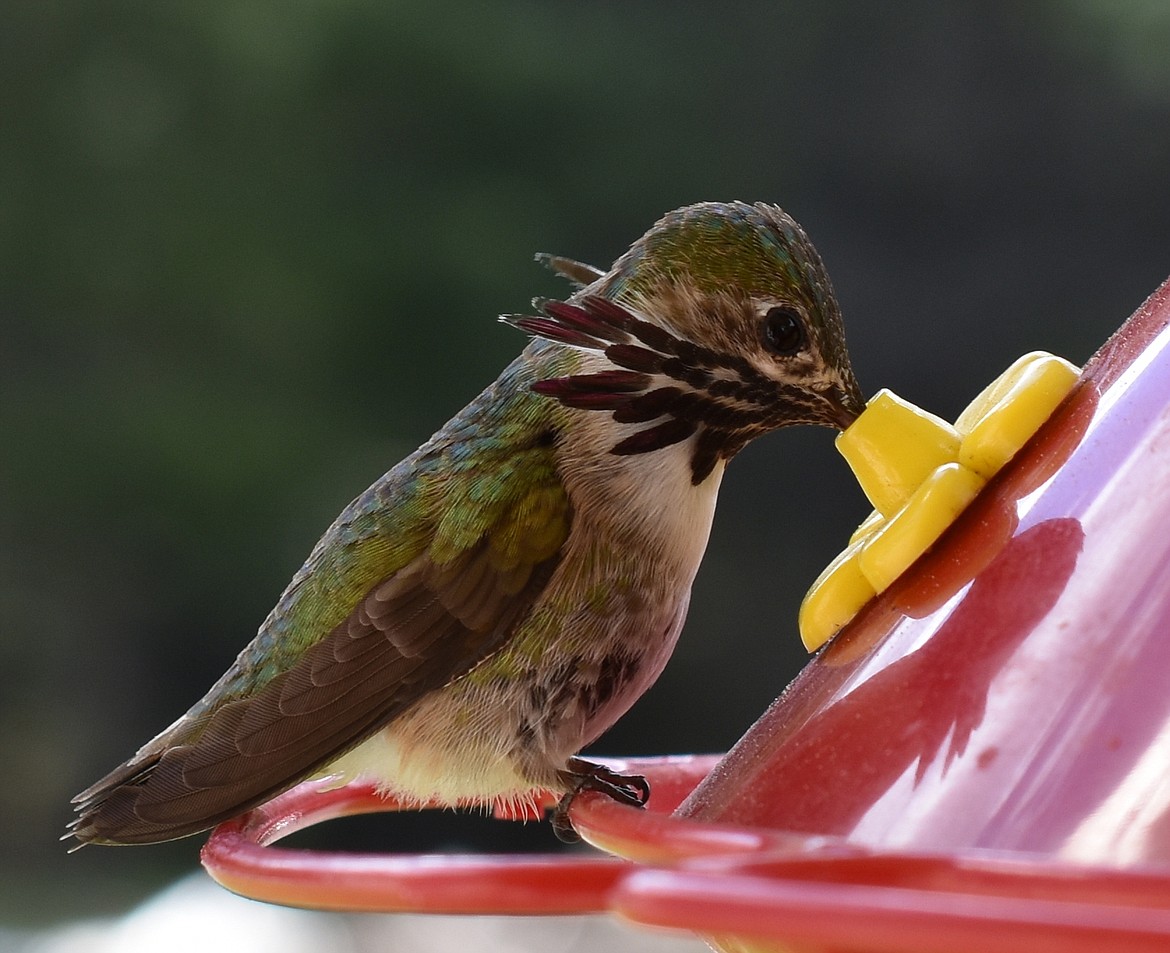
pixel 783 331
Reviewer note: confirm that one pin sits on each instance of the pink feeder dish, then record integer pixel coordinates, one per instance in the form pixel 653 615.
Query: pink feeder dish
pixel 979 761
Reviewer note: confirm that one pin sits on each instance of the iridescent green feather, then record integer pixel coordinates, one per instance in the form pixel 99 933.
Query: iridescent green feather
pixel 714 247
pixel 488 476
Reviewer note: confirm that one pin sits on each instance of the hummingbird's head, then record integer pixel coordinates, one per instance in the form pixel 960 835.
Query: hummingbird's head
pixel 720 323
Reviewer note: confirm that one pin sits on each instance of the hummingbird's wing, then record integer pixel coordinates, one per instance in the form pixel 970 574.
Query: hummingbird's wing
pixel 483 550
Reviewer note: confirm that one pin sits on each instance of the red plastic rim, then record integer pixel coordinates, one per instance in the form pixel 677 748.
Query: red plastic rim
pixel 239 856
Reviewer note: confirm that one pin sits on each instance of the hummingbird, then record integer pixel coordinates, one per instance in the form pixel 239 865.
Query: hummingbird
pixel 497 600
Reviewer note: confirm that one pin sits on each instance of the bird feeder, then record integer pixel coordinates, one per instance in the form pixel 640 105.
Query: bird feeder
pixel 979 760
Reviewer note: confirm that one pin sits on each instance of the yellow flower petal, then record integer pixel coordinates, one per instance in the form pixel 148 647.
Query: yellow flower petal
pixel 835 598
pixel 1027 400
pixel 931 509
pixel 893 446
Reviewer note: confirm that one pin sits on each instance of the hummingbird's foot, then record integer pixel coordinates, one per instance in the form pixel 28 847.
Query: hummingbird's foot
pixel 581 775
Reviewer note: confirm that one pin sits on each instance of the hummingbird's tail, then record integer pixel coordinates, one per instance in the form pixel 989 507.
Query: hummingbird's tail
pixel 148 800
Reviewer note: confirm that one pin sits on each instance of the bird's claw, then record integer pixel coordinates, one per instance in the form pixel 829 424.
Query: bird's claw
pixel 581 775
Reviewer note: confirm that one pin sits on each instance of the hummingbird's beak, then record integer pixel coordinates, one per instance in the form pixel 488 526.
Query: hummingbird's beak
pixel 845 404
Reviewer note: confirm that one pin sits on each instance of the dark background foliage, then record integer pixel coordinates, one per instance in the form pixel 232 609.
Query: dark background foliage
pixel 251 254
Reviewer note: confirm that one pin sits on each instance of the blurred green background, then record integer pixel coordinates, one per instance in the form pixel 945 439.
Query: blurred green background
pixel 251 254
